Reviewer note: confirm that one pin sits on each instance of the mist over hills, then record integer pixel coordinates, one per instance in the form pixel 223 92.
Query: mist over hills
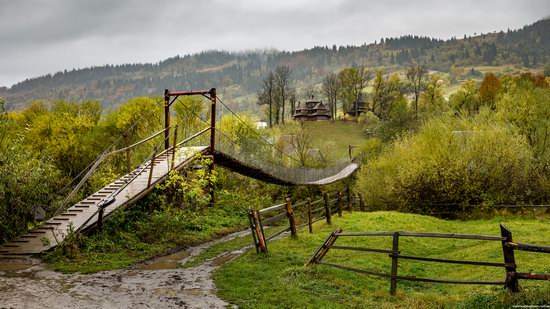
pixel 237 76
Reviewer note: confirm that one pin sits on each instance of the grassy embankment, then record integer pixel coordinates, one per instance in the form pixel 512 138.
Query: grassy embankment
pixel 279 279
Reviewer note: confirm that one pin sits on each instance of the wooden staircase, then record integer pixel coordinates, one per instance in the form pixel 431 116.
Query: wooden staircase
pixel 126 190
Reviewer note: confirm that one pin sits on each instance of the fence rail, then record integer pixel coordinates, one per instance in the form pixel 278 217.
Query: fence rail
pixel 508 247
pixel 305 210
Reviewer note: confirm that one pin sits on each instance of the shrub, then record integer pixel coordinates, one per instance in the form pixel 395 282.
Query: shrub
pixel 450 160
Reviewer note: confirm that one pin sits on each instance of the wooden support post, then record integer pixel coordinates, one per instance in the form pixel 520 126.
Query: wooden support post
pixel 328 214
pixel 213 99
pixel 361 202
pixel 309 221
pixel 290 215
pixel 152 167
pixel 512 284
pixel 262 244
pixel 252 228
pixel 100 219
pixel 212 119
pixel 349 199
pixel 166 119
pixel 174 147
pixel 394 259
pixel 340 203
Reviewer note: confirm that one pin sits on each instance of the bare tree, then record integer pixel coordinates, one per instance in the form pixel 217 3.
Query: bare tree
pixel 310 91
pixel 282 81
pixel 331 88
pixel 267 94
pixel 417 75
pixel 292 99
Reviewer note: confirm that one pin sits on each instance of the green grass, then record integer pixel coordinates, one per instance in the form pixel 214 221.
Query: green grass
pixel 342 133
pixel 280 280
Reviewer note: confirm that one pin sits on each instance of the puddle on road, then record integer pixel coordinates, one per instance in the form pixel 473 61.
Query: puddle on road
pixel 14 266
pixel 222 259
pixel 17 264
pixel 164 262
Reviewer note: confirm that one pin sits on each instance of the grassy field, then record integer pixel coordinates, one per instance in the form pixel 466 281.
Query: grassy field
pixel 280 280
pixel 341 133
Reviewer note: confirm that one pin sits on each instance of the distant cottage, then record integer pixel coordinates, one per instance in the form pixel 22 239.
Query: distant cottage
pixel 358 107
pixel 311 110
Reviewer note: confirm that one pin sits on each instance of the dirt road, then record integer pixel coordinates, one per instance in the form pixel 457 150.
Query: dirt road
pixel 155 284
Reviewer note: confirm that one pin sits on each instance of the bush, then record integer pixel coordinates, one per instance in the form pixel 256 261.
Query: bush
pixel 451 161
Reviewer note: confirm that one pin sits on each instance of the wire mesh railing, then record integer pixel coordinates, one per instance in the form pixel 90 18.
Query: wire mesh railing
pixel 261 156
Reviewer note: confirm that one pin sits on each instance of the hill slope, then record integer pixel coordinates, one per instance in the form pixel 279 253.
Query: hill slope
pixel 237 75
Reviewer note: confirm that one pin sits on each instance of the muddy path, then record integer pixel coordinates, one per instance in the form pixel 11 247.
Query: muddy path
pixel 157 283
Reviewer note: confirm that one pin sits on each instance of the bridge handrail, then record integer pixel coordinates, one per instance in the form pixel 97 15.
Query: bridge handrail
pixel 104 155
pixel 138 143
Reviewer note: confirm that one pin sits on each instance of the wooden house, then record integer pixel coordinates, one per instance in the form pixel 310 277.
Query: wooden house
pixel 311 110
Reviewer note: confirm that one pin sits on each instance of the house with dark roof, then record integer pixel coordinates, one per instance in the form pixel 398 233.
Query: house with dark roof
pixel 311 110
pixel 358 107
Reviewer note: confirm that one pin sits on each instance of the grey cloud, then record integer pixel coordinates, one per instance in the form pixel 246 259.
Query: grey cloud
pixel 42 36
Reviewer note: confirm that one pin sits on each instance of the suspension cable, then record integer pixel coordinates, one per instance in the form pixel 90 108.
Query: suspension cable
pixel 255 132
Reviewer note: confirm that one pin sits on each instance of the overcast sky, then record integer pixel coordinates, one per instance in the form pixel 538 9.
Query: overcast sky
pixel 45 36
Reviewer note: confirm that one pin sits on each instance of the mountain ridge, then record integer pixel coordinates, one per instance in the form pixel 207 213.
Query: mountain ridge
pixel 237 75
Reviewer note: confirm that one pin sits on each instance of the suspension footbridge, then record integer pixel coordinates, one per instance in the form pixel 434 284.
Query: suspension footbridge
pixel 127 189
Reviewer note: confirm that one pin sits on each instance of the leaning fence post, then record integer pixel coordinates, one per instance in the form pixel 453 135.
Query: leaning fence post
pixel 309 223
pixel 328 215
pixel 512 284
pixel 339 203
pixel 252 228
pixel 262 244
pixel 290 215
pixel 394 257
pixel 152 167
pixel 361 202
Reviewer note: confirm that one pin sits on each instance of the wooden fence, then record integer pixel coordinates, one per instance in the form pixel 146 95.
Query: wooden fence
pixel 307 210
pixel 508 246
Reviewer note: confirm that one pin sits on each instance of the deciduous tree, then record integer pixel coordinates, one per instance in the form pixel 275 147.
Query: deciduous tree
pixel 352 82
pixel 331 88
pixel 417 76
pixel 267 95
pixel 283 81
pixel 489 89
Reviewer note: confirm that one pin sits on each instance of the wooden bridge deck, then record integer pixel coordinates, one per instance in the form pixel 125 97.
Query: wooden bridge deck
pixel 83 214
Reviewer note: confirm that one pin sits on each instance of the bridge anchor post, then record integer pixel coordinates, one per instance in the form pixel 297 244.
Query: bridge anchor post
pixel 213 97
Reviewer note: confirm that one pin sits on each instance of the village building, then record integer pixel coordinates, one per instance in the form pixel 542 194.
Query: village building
pixel 311 110
pixel 358 107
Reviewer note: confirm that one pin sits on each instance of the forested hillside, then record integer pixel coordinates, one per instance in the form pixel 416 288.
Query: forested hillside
pixel 238 75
